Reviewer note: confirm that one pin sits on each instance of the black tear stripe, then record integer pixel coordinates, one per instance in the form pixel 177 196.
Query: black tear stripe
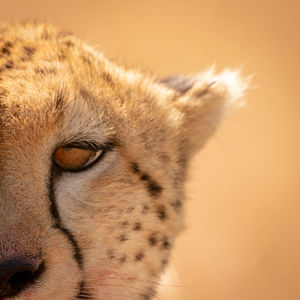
pixel 58 225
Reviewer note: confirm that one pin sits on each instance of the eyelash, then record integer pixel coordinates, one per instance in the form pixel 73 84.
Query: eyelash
pixel 85 145
pixel 107 146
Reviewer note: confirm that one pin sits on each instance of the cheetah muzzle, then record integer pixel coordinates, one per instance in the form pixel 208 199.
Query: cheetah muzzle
pixel 93 160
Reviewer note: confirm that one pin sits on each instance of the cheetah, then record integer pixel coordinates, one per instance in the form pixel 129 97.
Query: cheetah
pixel 93 160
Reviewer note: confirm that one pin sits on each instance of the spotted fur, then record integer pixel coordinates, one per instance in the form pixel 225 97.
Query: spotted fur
pixel 104 232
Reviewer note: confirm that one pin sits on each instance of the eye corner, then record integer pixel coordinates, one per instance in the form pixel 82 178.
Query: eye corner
pixel 109 145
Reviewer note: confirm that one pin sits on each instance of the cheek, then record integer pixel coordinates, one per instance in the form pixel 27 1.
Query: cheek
pixel 104 277
pixel 70 186
pixel 107 281
pixel 115 283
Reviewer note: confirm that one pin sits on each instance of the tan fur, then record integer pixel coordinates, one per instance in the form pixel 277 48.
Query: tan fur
pixel 54 89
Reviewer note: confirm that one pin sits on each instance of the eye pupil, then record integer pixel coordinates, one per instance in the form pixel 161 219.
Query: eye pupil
pixel 75 159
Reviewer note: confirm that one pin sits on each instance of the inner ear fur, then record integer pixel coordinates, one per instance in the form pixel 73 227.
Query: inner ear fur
pixel 203 100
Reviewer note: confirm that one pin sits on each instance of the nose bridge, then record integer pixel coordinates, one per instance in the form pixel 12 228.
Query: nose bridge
pixel 23 184
pixel 24 210
pixel 22 201
pixel 19 242
pixel 22 225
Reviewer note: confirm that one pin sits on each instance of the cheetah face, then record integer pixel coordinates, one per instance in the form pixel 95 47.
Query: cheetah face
pixel 93 160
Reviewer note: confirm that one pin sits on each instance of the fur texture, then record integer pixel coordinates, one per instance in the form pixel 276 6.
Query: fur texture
pixel 105 232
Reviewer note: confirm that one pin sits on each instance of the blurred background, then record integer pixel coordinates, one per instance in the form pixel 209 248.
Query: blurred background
pixel 242 236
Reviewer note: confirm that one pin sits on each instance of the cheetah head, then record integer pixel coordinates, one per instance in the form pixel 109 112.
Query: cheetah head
pixel 93 158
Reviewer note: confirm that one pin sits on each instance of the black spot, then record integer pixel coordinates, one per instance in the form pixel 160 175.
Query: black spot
pixel 9 65
pixel 29 51
pixel 39 71
pixel 152 240
pixel 139 256
pixel 135 168
pixel 161 213
pixel 86 59
pixel 166 244
pixel 123 259
pixel 5 50
pixel 123 237
pixel 145 177
pixel 110 254
pixel 9 44
pixel 154 188
pixel 137 226
pixel 69 43
pixel 125 223
pixel 177 205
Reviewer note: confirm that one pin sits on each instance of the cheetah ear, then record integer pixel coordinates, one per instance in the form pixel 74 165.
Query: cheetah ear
pixel 203 100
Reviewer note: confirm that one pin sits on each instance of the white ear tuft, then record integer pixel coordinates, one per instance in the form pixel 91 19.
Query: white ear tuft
pixel 235 88
pixel 204 99
pixel 229 83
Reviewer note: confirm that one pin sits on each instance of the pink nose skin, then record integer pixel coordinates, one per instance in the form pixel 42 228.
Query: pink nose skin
pixel 17 274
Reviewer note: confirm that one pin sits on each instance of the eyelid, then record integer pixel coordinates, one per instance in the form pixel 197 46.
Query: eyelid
pixel 83 145
pixel 89 145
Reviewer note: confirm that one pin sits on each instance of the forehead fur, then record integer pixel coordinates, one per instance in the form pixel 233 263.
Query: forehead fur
pixel 69 84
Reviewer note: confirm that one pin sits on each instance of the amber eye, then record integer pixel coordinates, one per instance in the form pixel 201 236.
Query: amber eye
pixel 75 159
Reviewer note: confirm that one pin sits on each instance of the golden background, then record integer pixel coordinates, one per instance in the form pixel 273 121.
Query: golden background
pixel 242 237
